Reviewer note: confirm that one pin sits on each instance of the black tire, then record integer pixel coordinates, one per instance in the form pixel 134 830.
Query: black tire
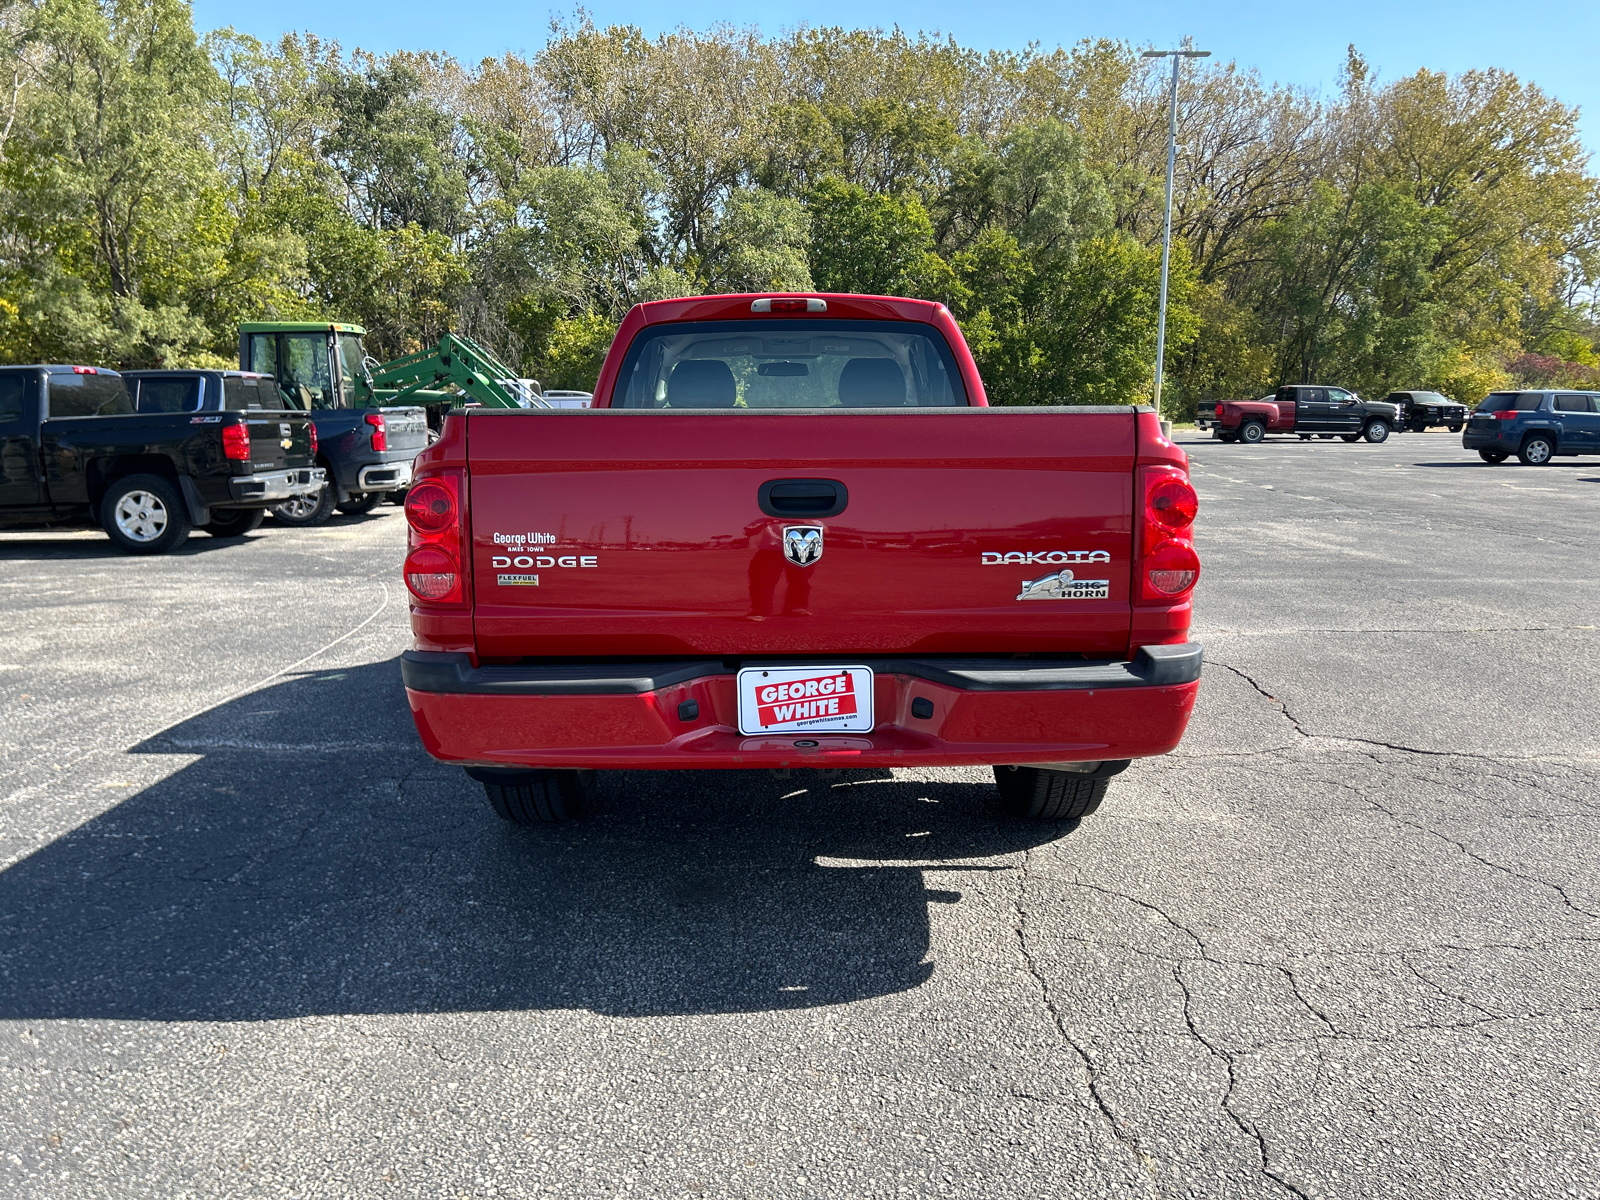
pixel 1376 432
pixel 398 496
pixel 1456 428
pixel 1054 795
pixel 362 503
pixel 1229 438
pixel 1494 457
pixel 234 522
pixel 306 510
pixel 1350 437
pixel 539 797
pixel 1537 450
pixel 1252 432
pixel 1419 427
pixel 1305 437
pixel 143 514
pixel 1327 437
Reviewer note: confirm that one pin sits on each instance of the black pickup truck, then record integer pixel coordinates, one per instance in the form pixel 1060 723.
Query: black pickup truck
pixel 366 453
pixel 73 450
pixel 1420 411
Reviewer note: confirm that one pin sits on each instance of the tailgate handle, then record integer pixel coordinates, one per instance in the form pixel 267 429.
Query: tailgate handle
pixel 803 497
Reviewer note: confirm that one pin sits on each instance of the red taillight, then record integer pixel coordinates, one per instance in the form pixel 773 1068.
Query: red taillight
pixel 431 508
pixel 236 442
pixel 1172 570
pixel 86 370
pixel 1505 414
pixel 438 539
pixel 432 575
pixel 1219 410
pixel 1173 504
pixel 1168 567
pixel 313 425
pixel 380 431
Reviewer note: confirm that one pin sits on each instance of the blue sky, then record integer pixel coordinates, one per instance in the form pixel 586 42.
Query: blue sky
pixel 1554 44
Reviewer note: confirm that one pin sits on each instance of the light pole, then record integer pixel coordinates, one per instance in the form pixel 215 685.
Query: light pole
pixel 1177 57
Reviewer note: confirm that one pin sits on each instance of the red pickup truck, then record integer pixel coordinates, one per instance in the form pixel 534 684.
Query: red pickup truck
pixel 790 532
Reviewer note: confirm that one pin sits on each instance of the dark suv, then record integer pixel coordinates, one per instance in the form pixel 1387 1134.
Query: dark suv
pixel 1535 426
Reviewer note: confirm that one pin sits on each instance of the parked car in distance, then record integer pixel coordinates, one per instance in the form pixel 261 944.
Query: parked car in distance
pixel 1535 426
pixel 790 532
pixel 366 451
pixel 75 450
pixel 565 398
pixel 1424 410
pixel 1308 410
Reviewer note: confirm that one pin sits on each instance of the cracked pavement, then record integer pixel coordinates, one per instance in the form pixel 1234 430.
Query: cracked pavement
pixel 1345 942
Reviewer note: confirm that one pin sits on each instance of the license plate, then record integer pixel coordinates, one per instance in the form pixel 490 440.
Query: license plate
pixel 805 700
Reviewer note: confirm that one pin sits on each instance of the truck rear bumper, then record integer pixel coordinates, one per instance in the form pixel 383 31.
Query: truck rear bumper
pixel 633 715
pixel 268 487
pixel 385 477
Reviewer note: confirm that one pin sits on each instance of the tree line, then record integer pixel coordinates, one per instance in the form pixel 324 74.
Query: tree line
pixel 157 187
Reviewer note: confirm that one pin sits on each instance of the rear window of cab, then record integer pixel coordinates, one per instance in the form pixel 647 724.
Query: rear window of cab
pixel 789 364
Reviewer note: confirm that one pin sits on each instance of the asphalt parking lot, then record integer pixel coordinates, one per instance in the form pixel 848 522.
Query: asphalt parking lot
pixel 1344 943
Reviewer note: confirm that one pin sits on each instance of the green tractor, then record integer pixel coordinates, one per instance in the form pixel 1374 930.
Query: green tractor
pixel 322 364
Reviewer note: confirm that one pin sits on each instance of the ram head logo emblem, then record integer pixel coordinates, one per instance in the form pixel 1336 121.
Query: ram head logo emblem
pixel 802 544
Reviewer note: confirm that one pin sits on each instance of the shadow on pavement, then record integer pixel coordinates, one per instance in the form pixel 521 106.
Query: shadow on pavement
pixel 42 544
pixel 313 860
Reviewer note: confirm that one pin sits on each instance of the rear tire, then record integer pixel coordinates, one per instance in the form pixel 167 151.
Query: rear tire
pixel 1376 432
pixel 365 502
pixel 143 514
pixel 1537 450
pixel 301 511
pixel 1419 427
pixel 1054 795
pixel 1350 437
pixel 1456 428
pixel 538 797
pixel 1251 432
pixel 235 522
pixel 1493 457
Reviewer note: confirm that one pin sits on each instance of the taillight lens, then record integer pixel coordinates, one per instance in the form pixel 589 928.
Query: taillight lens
pixel 1173 569
pixel 313 425
pixel 1219 410
pixel 1505 414
pixel 437 535
pixel 430 508
pixel 432 574
pixel 1173 504
pixel 236 442
pixel 1168 567
pixel 380 431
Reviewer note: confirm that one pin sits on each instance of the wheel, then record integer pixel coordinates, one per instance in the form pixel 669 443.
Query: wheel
pixel 537 797
pixel 1493 456
pixel 398 496
pixel 1456 428
pixel 1537 450
pixel 144 515
pixel 1326 437
pixel 1054 795
pixel 1376 431
pixel 1229 438
pixel 235 522
pixel 1305 437
pixel 1419 427
pixel 1252 432
pixel 363 503
pixel 313 509
pixel 1349 437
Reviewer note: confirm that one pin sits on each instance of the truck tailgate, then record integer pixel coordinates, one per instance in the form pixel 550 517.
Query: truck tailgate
pixel 616 533
pixel 278 440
